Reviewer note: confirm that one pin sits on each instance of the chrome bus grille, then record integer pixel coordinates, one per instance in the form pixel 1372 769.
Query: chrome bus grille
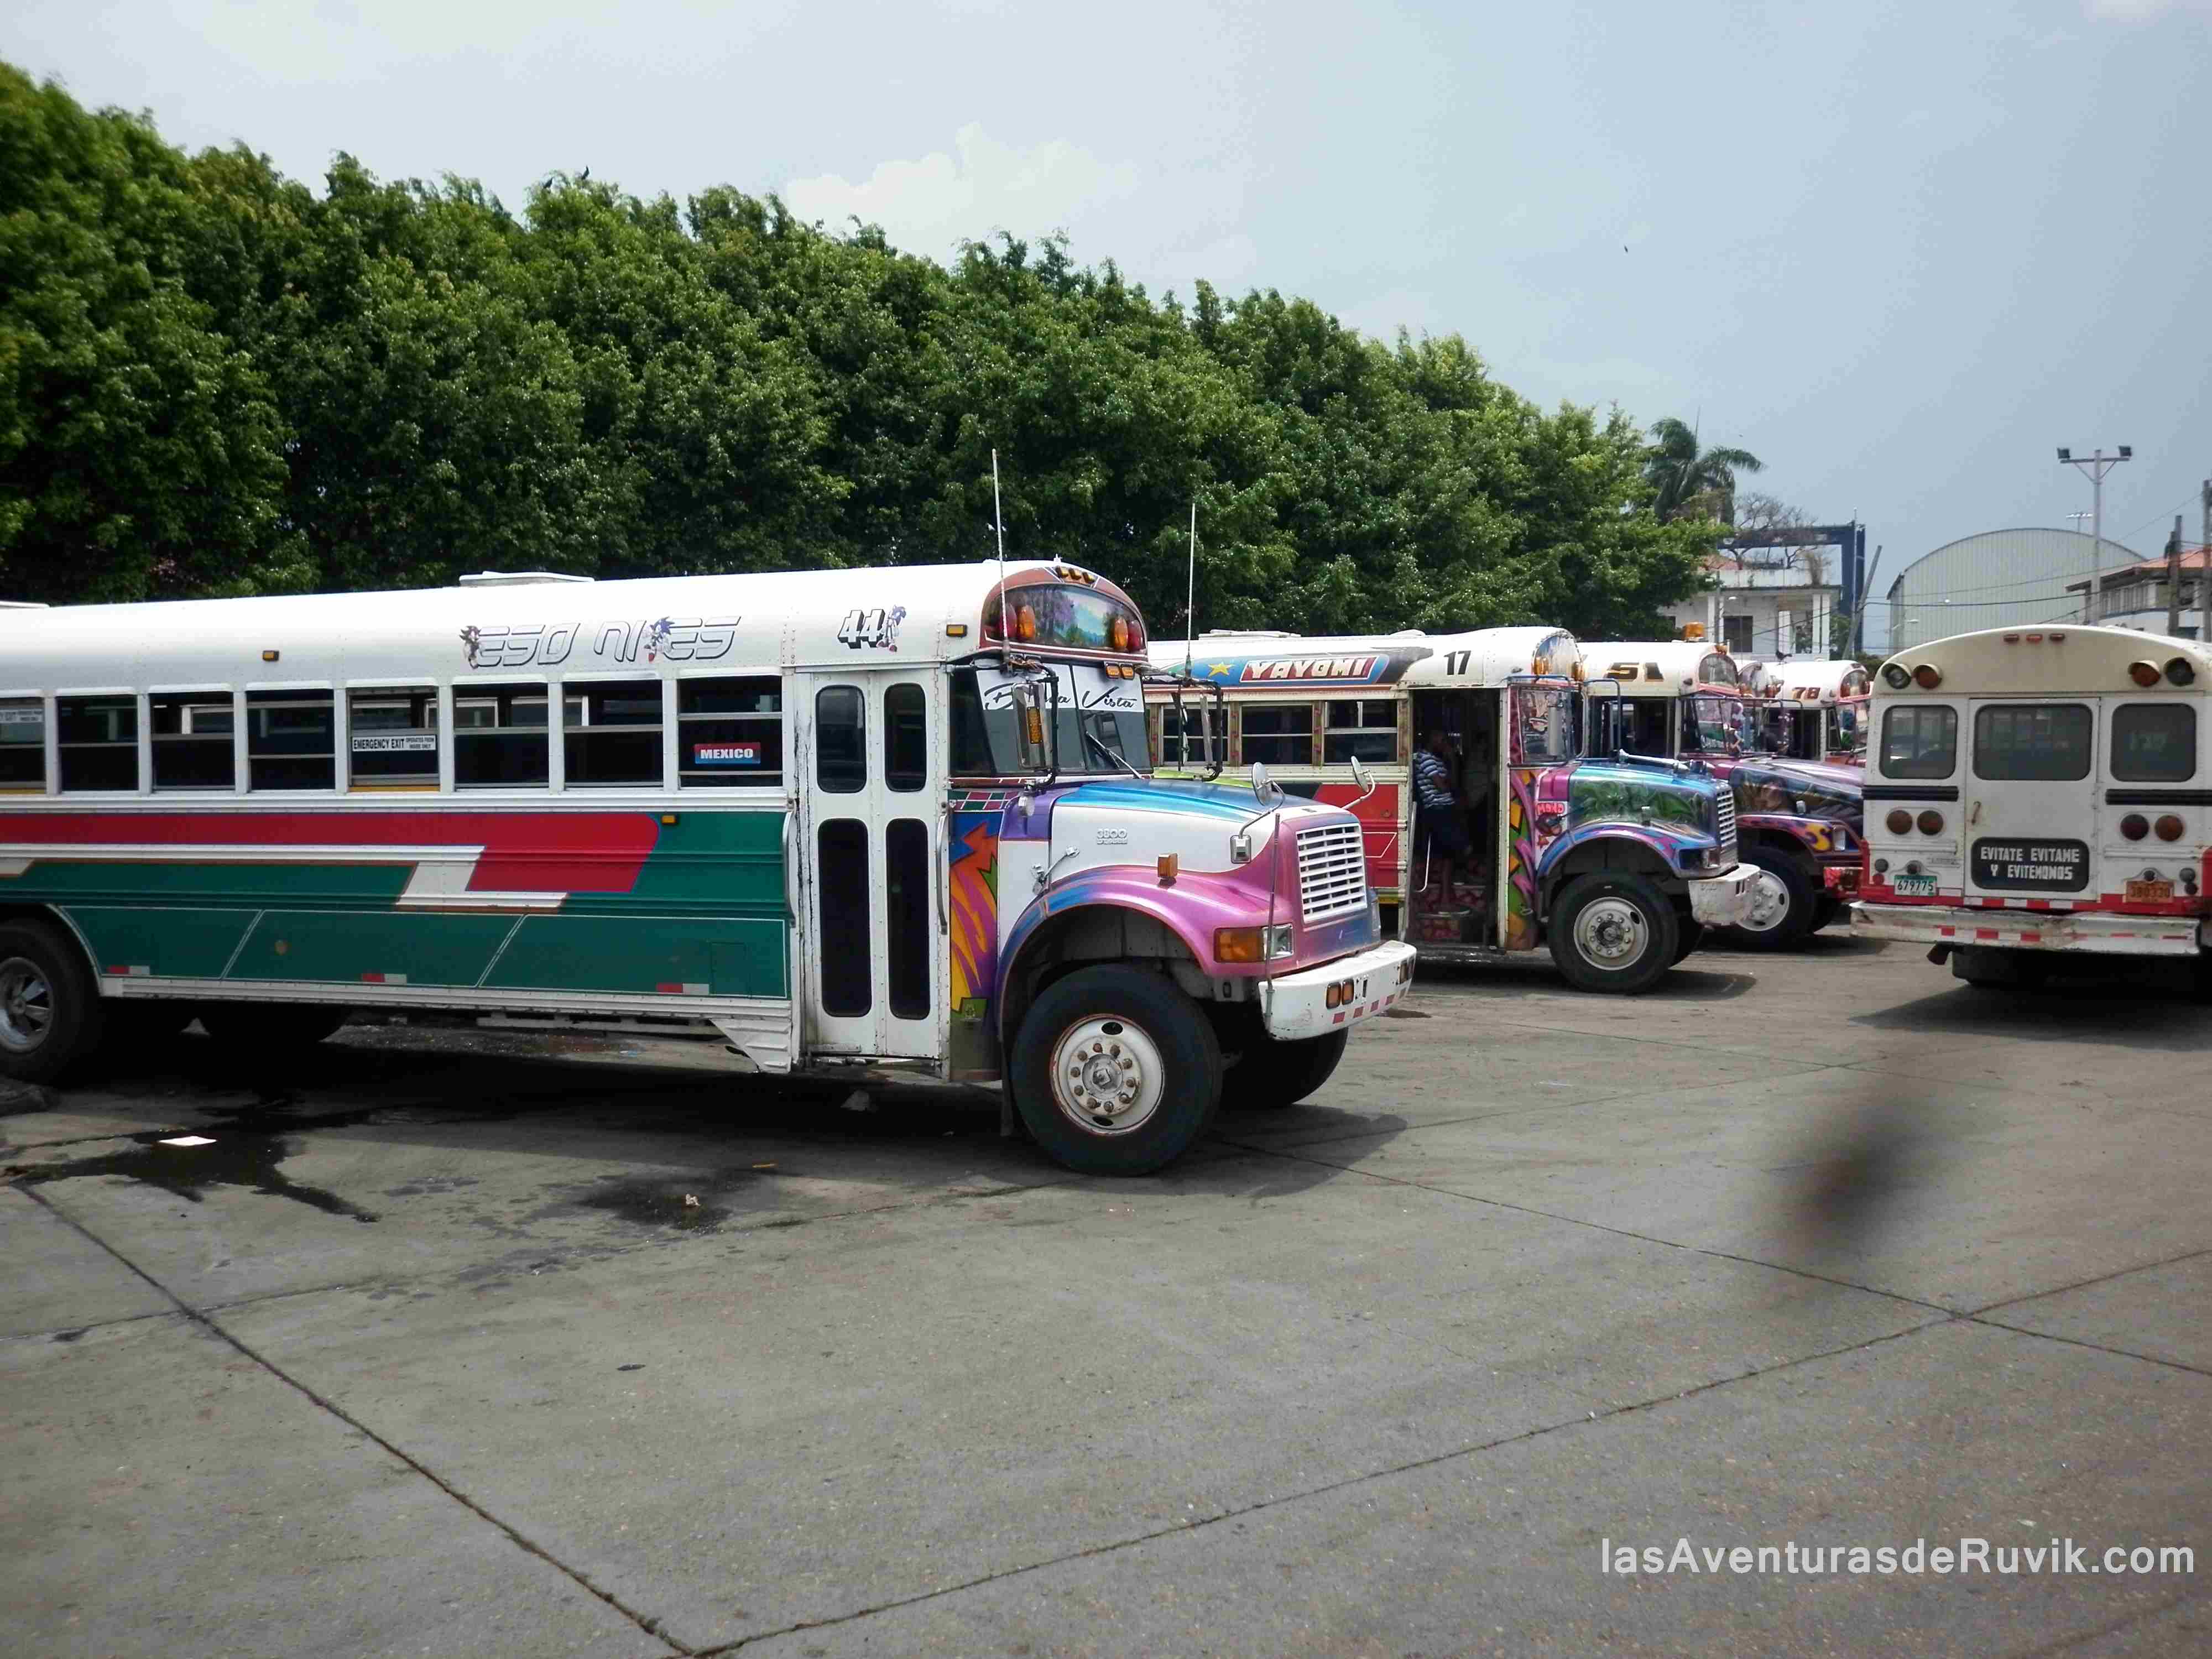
pixel 1332 871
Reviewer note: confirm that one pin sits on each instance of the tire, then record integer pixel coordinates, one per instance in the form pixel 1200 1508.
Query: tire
pixel 1273 1073
pixel 1693 935
pixel 1792 897
pixel 1615 934
pixel 1828 910
pixel 1175 1059
pixel 270 1026
pixel 49 1011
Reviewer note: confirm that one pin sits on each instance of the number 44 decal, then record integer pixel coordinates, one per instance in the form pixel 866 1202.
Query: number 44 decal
pixel 877 629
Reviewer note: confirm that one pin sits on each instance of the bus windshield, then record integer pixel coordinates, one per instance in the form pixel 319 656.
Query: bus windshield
pixel 1099 726
pixel 1714 726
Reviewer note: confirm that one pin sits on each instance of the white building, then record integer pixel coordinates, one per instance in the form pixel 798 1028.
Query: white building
pixel 1765 608
pixel 1994 579
pixel 2135 596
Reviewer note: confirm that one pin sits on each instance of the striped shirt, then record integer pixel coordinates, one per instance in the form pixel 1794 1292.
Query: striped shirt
pixel 1432 780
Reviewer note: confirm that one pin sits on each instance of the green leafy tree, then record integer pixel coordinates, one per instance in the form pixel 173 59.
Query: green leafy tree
pixel 140 449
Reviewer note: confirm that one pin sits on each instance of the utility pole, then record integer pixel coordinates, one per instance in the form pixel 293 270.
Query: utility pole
pixel 2173 581
pixel 2096 466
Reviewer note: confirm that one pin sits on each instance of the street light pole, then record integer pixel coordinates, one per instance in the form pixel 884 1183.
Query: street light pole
pixel 2096 468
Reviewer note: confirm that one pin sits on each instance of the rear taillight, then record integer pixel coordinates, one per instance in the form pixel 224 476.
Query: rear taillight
pixel 2135 826
pixel 1928 676
pixel 2143 673
pixel 1931 822
pixel 2181 671
pixel 2169 828
pixel 1899 822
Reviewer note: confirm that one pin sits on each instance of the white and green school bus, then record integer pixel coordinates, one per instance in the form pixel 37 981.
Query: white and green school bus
pixel 890 819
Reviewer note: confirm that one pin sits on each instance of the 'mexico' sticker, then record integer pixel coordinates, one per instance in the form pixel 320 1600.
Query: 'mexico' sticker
pixel 726 754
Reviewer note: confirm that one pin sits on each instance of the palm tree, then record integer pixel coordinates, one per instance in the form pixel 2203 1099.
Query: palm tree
pixel 1687 478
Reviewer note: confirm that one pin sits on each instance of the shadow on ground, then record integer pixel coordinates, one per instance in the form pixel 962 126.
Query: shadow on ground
pixel 2150 1006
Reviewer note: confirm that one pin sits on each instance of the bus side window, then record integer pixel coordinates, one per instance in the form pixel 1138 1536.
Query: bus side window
pixel 730 732
pixel 1364 729
pixel 841 741
pixel 193 740
pixel 611 732
pixel 22 744
pixel 99 742
pixel 1281 734
pixel 499 737
pixel 291 740
pixel 393 736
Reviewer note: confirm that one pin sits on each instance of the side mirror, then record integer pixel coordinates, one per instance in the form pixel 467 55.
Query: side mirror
pixel 1363 777
pixel 1028 728
pixel 1263 787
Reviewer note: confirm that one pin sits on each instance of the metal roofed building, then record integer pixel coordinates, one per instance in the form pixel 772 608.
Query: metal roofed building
pixel 1991 579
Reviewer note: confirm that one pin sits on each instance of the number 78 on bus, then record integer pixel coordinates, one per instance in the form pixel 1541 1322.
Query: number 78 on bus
pixel 876 821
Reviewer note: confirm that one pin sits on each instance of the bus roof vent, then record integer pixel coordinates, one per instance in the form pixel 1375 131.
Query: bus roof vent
pixel 519 578
pixel 23 604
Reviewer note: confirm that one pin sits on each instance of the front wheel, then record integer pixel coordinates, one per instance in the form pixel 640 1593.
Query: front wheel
pixel 1273 1073
pixel 1784 900
pixel 1117 1072
pixel 1693 935
pixel 270 1026
pixel 1615 934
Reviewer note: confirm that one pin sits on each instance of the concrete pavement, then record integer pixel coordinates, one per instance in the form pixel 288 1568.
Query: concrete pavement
pixel 455 1346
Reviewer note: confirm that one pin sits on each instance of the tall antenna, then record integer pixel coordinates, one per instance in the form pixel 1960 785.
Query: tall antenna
pixel 1190 593
pixel 999 523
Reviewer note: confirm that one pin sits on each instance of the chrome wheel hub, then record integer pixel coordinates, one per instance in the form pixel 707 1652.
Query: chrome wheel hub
pixel 1108 1076
pixel 27 1004
pixel 1770 903
pixel 1611 932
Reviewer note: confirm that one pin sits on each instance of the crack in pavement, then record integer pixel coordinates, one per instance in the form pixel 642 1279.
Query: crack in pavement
pixel 649 1625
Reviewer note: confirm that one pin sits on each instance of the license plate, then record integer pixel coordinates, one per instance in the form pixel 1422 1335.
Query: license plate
pixel 2149 892
pixel 1913 886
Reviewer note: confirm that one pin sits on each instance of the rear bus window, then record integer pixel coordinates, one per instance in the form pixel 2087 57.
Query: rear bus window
pixel 22 744
pixel 394 742
pixel 99 742
pixel 1280 736
pixel 291 740
pixel 730 733
pixel 1919 741
pixel 2038 742
pixel 611 732
pixel 192 745
pixel 500 738
pixel 2154 743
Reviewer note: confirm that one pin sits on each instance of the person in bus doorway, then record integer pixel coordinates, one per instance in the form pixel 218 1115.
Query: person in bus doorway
pixel 1444 834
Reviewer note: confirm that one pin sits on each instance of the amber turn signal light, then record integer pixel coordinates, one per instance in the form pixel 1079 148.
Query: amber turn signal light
pixel 2168 828
pixel 1240 944
pixel 1931 822
pixel 2143 673
pixel 1928 676
pixel 1899 821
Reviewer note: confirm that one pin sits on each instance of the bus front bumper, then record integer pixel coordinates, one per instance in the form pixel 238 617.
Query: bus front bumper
pixel 1725 899
pixel 2028 930
pixel 1318 1001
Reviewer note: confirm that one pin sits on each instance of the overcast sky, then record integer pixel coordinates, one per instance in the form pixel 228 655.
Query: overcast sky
pixel 1901 251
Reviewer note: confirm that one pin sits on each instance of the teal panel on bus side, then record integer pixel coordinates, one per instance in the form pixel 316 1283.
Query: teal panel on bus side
pixel 425 947
pixel 172 942
pixel 288 881
pixel 722 862
pixel 732 956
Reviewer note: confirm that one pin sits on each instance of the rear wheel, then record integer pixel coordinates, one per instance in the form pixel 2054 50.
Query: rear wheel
pixel 50 1009
pixel 1273 1073
pixel 1613 933
pixel 1117 1072
pixel 1782 902
pixel 270 1026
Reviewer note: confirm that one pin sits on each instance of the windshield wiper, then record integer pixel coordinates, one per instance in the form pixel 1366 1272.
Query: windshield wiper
pixel 1099 744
